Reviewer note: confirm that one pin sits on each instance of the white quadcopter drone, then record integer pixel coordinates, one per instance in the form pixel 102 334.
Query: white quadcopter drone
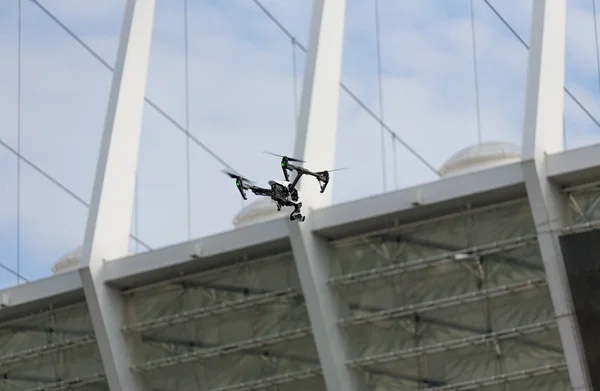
pixel 283 193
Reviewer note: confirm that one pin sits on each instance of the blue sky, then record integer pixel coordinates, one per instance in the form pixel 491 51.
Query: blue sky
pixel 241 103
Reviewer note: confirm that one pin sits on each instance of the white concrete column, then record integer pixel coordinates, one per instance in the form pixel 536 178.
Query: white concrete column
pixel 543 134
pixel 318 116
pixel 109 220
pixel 315 143
pixel 325 307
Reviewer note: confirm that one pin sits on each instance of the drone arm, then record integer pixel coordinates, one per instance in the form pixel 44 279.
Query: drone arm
pixel 298 175
pixel 284 168
pixel 323 178
pixel 242 190
pixel 261 191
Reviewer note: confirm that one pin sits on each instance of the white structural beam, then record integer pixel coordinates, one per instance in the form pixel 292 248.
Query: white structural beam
pixel 315 143
pixel 325 308
pixel 542 135
pixel 257 240
pixel 109 220
pixel 25 299
pixel 317 120
pixel 575 166
pixel 414 203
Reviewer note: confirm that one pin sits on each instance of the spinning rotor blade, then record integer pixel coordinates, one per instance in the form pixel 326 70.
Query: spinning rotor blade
pixel 236 176
pixel 291 159
pixel 229 174
pixel 338 169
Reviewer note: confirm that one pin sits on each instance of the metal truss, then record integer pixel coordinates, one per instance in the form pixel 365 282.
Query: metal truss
pixel 515 332
pixel 37 352
pixel 354 239
pixel 582 227
pixel 88 338
pixel 260 352
pixel 222 350
pixel 45 313
pixel 463 386
pixel 217 309
pixel 271 381
pixel 234 268
pixel 505 378
pixel 70 384
pixel 589 187
pixel 468 298
pixel 429 262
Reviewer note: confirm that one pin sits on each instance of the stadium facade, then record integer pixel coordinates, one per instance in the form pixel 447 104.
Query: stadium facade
pixel 480 280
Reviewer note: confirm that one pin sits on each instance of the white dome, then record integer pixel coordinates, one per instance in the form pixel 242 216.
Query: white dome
pixel 70 261
pixel 260 210
pixel 67 262
pixel 479 157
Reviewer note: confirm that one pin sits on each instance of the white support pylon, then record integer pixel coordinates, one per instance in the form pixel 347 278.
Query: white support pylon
pixel 109 220
pixel 315 143
pixel 543 134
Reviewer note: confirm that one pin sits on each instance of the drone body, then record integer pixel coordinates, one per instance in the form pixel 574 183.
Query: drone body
pixel 283 193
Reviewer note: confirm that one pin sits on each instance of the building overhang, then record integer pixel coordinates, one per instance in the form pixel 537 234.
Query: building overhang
pixel 238 245
pixel 416 203
pixel 574 167
pixel 56 291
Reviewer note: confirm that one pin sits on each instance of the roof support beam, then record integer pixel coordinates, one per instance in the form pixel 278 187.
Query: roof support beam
pixel 325 308
pixel 315 142
pixel 453 248
pixel 542 135
pixel 109 219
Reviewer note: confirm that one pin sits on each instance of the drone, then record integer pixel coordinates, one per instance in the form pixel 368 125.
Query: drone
pixel 283 193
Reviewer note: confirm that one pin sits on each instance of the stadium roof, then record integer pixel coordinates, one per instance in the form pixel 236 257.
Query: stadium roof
pixel 256 261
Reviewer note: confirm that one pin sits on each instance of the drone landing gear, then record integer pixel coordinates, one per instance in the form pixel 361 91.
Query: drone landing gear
pixel 296 215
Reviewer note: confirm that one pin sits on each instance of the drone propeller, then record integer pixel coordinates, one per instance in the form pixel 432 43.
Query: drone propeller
pixel 338 169
pixel 291 159
pixel 236 176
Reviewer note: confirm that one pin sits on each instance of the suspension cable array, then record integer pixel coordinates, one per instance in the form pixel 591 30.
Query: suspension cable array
pixel 475 70
pixel 349 92
pixel 380 94
pixel 295 82
pixel 19 112
pixel 377 118
pixel 187 118
pixel 526 46
pixel 191 138
pixel 596 40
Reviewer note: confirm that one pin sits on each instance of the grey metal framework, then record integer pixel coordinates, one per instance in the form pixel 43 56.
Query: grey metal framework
pixel 458 284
